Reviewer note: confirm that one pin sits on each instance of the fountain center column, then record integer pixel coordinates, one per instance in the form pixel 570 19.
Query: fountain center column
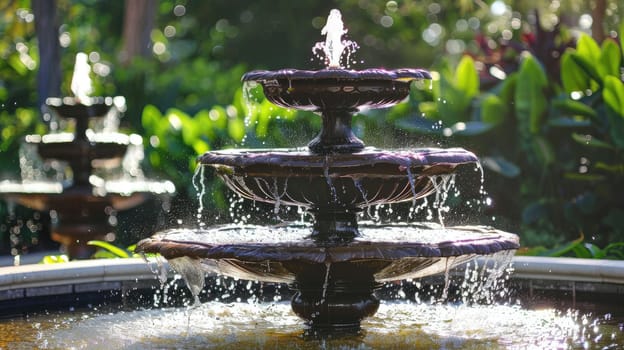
pixel 334 226
pixel 336 135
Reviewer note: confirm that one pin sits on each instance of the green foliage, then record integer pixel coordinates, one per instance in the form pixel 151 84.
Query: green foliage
pixel 108 250
pixel 562 140
pixel 105 250
pixel 54 259
pixel 13 127
pixel 614 95
pixel 530 96
pixel 176 138
pixel 579 248
pixel 454 101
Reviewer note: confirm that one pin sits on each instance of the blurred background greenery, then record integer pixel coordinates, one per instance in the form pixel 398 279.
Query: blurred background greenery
pixel 534 88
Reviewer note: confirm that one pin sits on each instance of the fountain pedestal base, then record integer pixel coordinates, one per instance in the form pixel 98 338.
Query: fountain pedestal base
pixel 334 296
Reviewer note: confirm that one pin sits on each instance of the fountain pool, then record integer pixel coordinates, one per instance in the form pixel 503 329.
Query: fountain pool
pixel 401 322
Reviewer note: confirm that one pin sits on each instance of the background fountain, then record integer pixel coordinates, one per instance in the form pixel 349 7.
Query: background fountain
pixel 98 171
pixel 336 265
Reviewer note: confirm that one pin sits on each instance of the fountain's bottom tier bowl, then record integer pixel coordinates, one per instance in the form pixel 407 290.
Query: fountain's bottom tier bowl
pixel 335 282
pixel 286 254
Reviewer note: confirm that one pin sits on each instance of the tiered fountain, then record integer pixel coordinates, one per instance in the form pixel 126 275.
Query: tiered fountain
pixel 81 204
pixel 335 266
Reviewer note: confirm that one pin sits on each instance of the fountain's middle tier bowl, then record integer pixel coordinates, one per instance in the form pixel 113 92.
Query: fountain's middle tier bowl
pixel 74 108
pixel 336 89
pixel 68 147
pixel 337 182
pixel 119 194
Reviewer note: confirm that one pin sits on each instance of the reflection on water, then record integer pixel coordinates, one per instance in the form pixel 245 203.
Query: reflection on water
pixel 399 325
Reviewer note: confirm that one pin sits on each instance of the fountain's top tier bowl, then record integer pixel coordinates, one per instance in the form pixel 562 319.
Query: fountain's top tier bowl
pixel 75 108
pixel 336 89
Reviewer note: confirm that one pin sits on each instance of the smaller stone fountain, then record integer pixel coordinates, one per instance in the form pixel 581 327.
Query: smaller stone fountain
pixel 335 265
pixel 104 174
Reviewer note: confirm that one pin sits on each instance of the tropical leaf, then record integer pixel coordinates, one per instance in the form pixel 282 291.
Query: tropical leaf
pixel 574 108
pixel 530 94
pixel 493 109
pixel 501 165
pixel 55 259
pixel 614 95
pixel 573 77
pixel 587 66
pixel 590 141
pixel 116 251
pixel 466 77
pixel 587 48
pixel 610 59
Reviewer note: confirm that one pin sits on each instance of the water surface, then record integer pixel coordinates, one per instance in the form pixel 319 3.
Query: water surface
pixel 397 325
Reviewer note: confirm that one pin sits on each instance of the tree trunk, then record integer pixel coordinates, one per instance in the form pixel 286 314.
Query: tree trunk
pixel 598 16
pixel 139 21
pixel 47 30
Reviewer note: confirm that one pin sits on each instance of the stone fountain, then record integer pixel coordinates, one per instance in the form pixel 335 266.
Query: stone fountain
pixel 98 185
pixel 336 265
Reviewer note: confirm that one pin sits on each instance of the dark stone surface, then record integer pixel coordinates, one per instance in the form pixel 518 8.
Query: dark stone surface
pixel 336 94
pixel 334 281
pixel 279 260
pixel 334 183
pixel 336 89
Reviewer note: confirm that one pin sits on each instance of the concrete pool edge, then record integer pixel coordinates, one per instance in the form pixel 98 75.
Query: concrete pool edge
pixel 121 275
pixel 97 275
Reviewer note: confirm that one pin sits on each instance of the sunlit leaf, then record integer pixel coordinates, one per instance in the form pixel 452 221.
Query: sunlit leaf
pixel 610 59
pixel 588 66
pixel 588 48
pixel 150 117
pixel 530 94
pixel 573 77
pixel 204 124
pixel 466 77
pixel 613 94
pixel 55 259
pixel 119 252
pixel 493 109
pixel 236 129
